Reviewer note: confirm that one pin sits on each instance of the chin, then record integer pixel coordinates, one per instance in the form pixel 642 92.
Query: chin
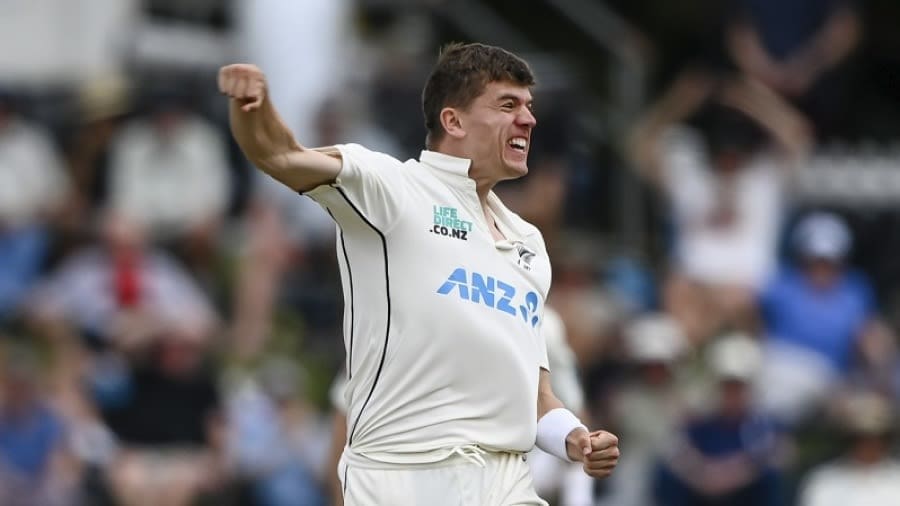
pixel 516 170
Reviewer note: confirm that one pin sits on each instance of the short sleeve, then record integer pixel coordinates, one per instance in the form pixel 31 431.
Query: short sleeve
pixel 561 360
pixel 543 360
pixel 370 185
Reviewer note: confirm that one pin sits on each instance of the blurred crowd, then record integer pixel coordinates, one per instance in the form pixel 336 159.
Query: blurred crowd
pixel 170 319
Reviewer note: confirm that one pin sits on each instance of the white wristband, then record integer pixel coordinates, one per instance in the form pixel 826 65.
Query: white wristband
pixel 552 429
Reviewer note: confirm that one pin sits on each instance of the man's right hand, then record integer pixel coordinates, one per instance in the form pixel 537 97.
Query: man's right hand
pixel 244 83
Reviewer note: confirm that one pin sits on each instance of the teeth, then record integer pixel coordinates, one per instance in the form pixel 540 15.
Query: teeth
pixel 518 143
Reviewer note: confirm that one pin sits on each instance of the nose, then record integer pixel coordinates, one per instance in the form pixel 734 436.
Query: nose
pixel 526 118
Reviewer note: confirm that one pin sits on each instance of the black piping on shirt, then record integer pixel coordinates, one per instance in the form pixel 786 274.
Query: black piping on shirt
pixel 352 320
pixel 387 329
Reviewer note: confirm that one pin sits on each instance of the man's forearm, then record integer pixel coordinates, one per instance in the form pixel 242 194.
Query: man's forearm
pixel 264 138
pixel 261 134
pixel 547 402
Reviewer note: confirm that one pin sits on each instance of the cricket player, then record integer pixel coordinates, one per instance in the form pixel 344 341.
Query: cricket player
pixel 444 287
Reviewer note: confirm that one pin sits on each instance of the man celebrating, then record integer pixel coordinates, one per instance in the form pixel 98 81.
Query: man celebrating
pixel 444 288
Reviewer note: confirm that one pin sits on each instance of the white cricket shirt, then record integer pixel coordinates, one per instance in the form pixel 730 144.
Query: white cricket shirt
pixel 441 322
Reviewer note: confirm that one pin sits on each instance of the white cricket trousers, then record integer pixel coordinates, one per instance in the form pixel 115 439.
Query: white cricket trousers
pixel 469 477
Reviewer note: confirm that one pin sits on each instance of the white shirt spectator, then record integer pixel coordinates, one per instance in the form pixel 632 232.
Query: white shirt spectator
pixel 742 252
pixel 31 176
pixel 847 484
pixel 82 292
pixel 170 181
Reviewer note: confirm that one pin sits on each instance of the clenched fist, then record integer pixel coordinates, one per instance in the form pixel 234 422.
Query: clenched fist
pixel 244 83
pixel 598 451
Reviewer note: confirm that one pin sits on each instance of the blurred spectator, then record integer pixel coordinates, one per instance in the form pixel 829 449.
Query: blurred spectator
pixel 36 464
pixel 266 418
pixel 815 313
pixel 796 47
pixel 649 407
pixel 866 474
pixel 123 290
pixel 725 190
pixel 878 364
pixel 33 187
pixel 169 173
pixel 169 425
pixel 591 313
pixel 148 326
pixel 101 106
pixel 730 456
pixel 403 47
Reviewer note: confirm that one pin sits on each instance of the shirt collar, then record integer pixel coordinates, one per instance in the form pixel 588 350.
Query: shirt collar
pixel 446 163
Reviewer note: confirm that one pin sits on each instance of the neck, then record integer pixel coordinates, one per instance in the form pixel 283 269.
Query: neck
pixel 483 187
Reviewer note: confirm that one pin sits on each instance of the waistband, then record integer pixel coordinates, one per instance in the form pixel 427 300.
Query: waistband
pixel 470 454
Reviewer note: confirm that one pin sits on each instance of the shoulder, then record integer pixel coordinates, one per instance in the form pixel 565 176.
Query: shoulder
pixel 785 276
pixel 763 168
pixel 682 140
pixel 167 267
pixel 857 279
pixel 825 474
pixel 526 230
pixel 198 127
pixel 524 227
pixel 683 154
pixel 134 133
pixel 358 160
pixel 360 153
pixel 89 259
pixel 30 134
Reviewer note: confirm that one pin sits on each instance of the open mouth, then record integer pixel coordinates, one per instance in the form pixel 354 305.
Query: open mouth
pixel 519 144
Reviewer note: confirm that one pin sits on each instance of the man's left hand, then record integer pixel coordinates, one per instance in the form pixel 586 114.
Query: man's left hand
pixel 604 454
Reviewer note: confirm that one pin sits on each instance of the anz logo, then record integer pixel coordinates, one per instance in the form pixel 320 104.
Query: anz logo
pixel 491 292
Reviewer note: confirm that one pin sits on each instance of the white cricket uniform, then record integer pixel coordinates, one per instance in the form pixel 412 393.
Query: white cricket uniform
pixel 441 325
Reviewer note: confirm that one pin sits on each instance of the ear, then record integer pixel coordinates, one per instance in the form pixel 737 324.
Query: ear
pixel 452 122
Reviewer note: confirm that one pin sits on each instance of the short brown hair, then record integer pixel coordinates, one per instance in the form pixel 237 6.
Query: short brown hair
pixel 461 74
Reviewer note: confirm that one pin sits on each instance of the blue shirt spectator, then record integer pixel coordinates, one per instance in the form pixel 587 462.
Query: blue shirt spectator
pixel 730 456
pixel 819 305
pixel 827 320
pixel 29 439
pixel 22 254
pixel 786 26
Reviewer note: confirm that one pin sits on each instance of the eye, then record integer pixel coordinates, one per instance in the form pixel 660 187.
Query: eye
pixel 507 106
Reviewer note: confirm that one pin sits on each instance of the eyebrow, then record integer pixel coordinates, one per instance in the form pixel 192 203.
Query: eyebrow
pixel 515 98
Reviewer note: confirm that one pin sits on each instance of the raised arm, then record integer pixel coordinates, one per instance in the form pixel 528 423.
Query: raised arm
pixel 686 95
pixel 793 75
pixel 264 138
pixel 787 126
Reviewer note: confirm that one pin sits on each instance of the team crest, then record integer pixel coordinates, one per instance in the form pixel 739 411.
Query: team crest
pixel 525 256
